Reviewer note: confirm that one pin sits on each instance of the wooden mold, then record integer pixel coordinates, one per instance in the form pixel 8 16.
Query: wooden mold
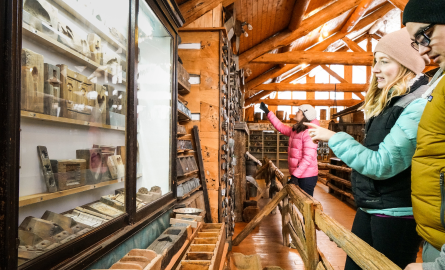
pixel 206 249
pixel 42 11
pixel 75 97
pixel 69 173
pixel 51 89
pixel 32 81
pixel 95 46
pixel 116 167
pixel 93 167
pixel 169 243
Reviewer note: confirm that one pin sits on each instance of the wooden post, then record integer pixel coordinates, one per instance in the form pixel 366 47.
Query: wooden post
pixel 285 221
pixel 257 219
pixel 369 68
pixel 240 173
pixel 311 237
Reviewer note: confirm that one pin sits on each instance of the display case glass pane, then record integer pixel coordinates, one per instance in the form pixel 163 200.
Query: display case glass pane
pixel 73 120
pixel 154 98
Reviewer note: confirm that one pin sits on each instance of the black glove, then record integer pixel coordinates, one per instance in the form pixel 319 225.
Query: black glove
pixel 264 108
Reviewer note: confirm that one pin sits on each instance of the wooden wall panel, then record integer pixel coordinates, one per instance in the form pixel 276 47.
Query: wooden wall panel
pixel 209 118
pixel 204 98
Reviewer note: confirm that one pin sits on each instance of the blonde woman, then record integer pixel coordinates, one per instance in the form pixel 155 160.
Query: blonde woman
pixel 381 177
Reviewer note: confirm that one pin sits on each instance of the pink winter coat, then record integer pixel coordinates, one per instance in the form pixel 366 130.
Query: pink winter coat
pixel 302 152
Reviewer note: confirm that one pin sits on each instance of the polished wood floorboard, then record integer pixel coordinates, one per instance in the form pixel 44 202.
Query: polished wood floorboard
pixel 266 240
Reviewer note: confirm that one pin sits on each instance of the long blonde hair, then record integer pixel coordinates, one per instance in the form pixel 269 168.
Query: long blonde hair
pixel 376 99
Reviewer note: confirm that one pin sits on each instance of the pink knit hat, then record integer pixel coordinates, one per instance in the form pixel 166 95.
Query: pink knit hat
pixel 397 45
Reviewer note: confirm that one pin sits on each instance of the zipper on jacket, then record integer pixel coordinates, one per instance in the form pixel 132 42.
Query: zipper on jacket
pixel 442 193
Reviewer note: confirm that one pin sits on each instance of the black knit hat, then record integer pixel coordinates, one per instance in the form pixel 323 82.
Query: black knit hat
pixel 424 11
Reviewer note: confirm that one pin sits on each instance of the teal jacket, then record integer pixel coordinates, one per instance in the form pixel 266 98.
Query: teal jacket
pixel 395 152
pixel 393 156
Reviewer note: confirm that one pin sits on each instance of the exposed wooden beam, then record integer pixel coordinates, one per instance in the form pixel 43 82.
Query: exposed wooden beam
pixel 313 87
pixel 193 9
pixel 300 8
pixel 376 37
pixel 356 16
pixel 334 74
pixel 368 49
pixel 400 4
pixel 227 2
pixel 365 22
pixel 352 45
pixel 313 102
pixel 286 37
pixel 295 76
pixel 318 58
pixel 271 73
pixel 299 74
pixel 362 97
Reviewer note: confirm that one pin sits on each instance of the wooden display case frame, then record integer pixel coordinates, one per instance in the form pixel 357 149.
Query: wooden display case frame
pixel 90 247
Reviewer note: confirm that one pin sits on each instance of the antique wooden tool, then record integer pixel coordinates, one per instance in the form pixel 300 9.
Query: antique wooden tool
pixel 32 81
pixel 69 173
pixel 93 166
pixel 51 88
pixel 95 45
pixel 169 243
pixel 116 167
pixel 75 99
pixel 42 11
pixel 47 170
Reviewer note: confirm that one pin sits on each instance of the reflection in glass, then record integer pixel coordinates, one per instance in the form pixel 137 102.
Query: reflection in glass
pixel 73 111
pixel 154 106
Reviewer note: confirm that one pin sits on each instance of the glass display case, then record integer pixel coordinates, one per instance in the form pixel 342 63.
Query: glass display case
pixel 94 115
pixel 154 110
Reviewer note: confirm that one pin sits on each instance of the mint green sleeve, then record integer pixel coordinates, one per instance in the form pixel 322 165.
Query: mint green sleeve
pixel 395 152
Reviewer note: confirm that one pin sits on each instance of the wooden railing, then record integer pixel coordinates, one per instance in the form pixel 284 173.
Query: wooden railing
pixel 302 215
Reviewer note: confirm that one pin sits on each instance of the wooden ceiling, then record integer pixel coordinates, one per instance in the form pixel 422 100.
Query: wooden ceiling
pixel 281 26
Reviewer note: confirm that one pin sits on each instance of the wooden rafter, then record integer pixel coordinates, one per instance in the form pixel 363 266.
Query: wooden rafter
pixel 300 8
pixel 400 4
pixel 313 102
pixel 262 94
pixel 286 37
pixel 365 22
pixel 334 74
pixel 356 16
pixel 318 58
pixel 193 9
pixel 352 45
pixel 313 87
pixel 299 74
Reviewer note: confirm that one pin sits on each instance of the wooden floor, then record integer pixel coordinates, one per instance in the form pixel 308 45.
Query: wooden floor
pixel 266 239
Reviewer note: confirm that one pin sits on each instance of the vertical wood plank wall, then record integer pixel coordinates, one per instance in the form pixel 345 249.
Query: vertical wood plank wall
pixel 204 98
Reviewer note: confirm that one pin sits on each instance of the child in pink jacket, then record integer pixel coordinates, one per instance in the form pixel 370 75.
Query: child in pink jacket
pixel 302 152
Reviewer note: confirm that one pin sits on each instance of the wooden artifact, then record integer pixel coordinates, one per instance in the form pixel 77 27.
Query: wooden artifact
pixel 42 11
pixel 105 209
pixel 75 98
pixel 68 224
pixel 116 167
pixel 247 262
pixel 70 38
pixel 47 170
pixel 95 46
pixel 112 60
pixel 179 170
pixel 115 201
pixel 88 217
pixel 32 81
pixel 148 196
pixel 106 151
pixel 51 88
pixel 169 243
pixel 206 249
pixel 69 173
pixel 100 110
pixel 42 228
pixel 93 166
pixel 121 151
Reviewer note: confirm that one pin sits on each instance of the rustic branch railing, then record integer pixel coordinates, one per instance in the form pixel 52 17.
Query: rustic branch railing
pixel 302 215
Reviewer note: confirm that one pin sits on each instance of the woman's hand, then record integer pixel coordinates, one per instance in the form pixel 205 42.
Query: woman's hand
pixel 318 133
pixel 264 108
pixel 414 266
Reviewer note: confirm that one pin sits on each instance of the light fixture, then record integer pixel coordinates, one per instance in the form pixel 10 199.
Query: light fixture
pixel 241 27
pixel 246 34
